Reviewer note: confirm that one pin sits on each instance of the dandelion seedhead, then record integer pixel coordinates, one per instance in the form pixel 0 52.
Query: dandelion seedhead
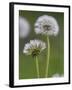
pixel 24 27
pixel 46 25
pixel 34 48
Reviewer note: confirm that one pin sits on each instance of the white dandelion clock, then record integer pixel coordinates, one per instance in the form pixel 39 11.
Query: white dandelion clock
pixel 46 25
pixel 34 48
pixel 24 27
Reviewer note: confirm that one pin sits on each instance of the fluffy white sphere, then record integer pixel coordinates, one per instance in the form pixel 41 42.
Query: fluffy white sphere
pixel 24 27
pixel 46 25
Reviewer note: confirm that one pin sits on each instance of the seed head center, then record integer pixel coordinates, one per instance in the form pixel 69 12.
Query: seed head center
pixel 35 52
pixel 46 27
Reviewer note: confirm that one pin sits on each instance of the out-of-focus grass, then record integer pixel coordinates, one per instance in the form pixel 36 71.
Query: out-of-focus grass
pixel 27 66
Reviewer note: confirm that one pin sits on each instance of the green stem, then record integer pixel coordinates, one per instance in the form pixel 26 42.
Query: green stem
pixel 48 55
pixel 37 66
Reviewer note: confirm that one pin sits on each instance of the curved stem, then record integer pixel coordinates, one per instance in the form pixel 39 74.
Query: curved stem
pixel 37 66
pixel 48 55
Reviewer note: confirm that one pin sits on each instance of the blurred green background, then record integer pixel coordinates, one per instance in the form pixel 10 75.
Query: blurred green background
pixel 27 66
